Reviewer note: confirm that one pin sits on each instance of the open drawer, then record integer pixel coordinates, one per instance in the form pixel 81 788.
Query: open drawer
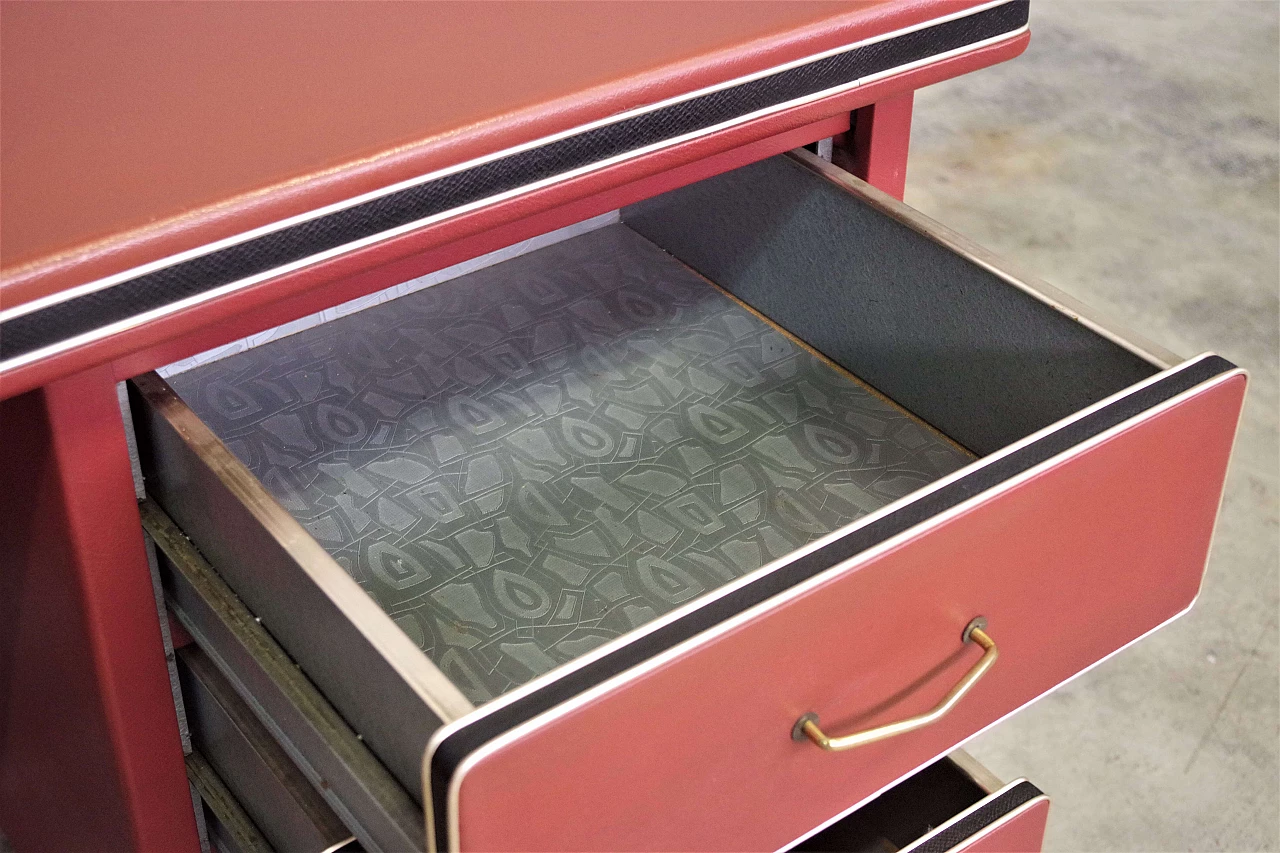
pixel 612 541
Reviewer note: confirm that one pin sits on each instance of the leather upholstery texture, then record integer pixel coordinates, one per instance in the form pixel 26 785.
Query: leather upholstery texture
pixel 514 171
pixel 166 126
pixel 123 296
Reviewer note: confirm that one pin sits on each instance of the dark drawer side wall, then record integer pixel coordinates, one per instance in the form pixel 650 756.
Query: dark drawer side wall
pixel 333 653
pixel 981 360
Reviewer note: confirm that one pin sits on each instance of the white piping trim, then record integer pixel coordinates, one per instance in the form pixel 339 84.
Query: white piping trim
pixel 1005 819
pixel 986 829
pixel 139 319
pixel 961 815
pixel 782 598
pixel 338 845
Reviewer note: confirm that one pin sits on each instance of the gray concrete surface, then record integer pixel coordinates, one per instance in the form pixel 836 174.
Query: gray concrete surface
pixel 1130 158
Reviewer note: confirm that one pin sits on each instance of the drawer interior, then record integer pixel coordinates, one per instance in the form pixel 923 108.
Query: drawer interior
pixel 525 462
pixel 918 312
pixel 518 465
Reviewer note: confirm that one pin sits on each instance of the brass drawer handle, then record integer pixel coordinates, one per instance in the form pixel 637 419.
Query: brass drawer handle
pixel 807 725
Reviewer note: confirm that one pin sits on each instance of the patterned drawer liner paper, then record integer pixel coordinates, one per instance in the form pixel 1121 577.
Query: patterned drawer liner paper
pixel 523 463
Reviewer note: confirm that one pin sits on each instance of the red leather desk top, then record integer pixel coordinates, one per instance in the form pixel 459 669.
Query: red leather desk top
pixel 122 121
pixel 134 132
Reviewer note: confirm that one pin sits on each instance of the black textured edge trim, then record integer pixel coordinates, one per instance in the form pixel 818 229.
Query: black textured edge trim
pixel 454 748
pixel 57 323
pixel 979 819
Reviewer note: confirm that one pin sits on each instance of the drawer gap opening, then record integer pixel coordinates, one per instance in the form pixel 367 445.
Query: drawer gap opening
pixel 901 815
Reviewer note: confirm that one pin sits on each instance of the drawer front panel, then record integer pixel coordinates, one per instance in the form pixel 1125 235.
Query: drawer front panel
pixel 692 750
pixel 1020 831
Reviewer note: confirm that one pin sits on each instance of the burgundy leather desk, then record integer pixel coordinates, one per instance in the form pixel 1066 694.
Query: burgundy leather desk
pixel 177 177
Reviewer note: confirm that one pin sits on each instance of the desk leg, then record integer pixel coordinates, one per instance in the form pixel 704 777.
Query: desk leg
pixel 878 143
pixel 90 757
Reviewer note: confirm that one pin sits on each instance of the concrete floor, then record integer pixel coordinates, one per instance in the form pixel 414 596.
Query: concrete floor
pixel 1130 158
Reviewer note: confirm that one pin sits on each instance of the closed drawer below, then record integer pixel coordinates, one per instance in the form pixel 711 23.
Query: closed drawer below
pixel 952 805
